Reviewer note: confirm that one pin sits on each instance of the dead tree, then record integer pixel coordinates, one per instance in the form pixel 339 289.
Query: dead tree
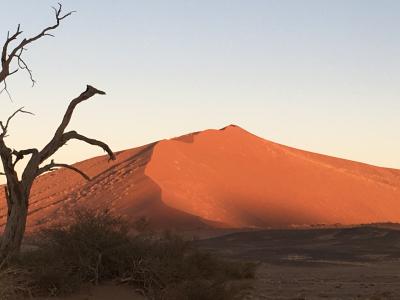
pixel 17 189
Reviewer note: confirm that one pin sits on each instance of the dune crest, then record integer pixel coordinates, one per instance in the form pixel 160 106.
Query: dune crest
pixel 227 177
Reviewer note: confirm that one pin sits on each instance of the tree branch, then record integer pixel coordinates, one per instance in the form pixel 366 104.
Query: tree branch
pixel 7 43
pixel 74 135
pixel 19 155
pixel 5 89
pixel 23 66
pixel 7 57
pixel 6 158
pixel 5 62
pixel 53 166
pixel 60 139
pixel 4 127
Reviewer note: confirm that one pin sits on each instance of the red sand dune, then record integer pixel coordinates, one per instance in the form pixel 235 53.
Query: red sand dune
pixel 223 178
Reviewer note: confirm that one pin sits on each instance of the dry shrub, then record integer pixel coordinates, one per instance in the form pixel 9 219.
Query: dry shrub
pixel 96 247
pixel 92 248
pixel 169 268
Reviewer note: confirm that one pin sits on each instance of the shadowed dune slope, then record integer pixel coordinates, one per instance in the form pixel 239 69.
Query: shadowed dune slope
pixel 223 178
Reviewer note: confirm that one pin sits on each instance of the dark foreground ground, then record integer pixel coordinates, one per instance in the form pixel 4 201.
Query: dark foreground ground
pixel 303 264
pixel 348 263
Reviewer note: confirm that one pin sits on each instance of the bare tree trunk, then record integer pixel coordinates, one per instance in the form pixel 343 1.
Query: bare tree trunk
pixel 17 190
pixel 17 201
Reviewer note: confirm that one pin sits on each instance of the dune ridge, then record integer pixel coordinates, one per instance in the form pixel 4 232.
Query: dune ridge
pixel 220 178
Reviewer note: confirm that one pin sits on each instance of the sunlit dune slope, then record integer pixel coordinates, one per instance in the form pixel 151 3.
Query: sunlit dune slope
pixel 119 186
pixel 225 177
pixel 237 178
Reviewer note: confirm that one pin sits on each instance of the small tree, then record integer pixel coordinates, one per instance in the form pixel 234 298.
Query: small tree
pixel 17 190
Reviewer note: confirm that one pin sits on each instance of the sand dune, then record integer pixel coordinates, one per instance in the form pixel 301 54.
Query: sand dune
pixel 221 178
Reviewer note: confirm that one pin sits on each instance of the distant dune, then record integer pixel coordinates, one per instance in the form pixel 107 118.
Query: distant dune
pixel 221 178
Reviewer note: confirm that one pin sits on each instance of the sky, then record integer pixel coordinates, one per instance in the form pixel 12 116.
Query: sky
pixel 317 75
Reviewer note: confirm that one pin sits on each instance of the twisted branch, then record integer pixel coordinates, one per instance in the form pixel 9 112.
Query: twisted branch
pixel 33 169
pixel 60 138
pixel 74 135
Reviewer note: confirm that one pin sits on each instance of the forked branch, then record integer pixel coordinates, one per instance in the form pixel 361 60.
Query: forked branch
pixel 19 155
pixel 60 138
pixel 8 56
pixel 4 126
pixel 33 169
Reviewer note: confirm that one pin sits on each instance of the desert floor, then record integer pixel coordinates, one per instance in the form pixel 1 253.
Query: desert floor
pixel 348 263
pixel 103 292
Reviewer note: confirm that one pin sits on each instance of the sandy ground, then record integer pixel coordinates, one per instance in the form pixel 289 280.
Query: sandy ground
pixel 377 281
pixel 343 264
pixel 104 292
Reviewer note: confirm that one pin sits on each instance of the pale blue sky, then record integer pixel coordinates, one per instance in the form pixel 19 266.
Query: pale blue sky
pixel 314 74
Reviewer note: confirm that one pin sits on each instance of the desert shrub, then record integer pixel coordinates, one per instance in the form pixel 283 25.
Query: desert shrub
pixel 91 248
pixel 169 268
pixel 96 247
pixel 141 225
